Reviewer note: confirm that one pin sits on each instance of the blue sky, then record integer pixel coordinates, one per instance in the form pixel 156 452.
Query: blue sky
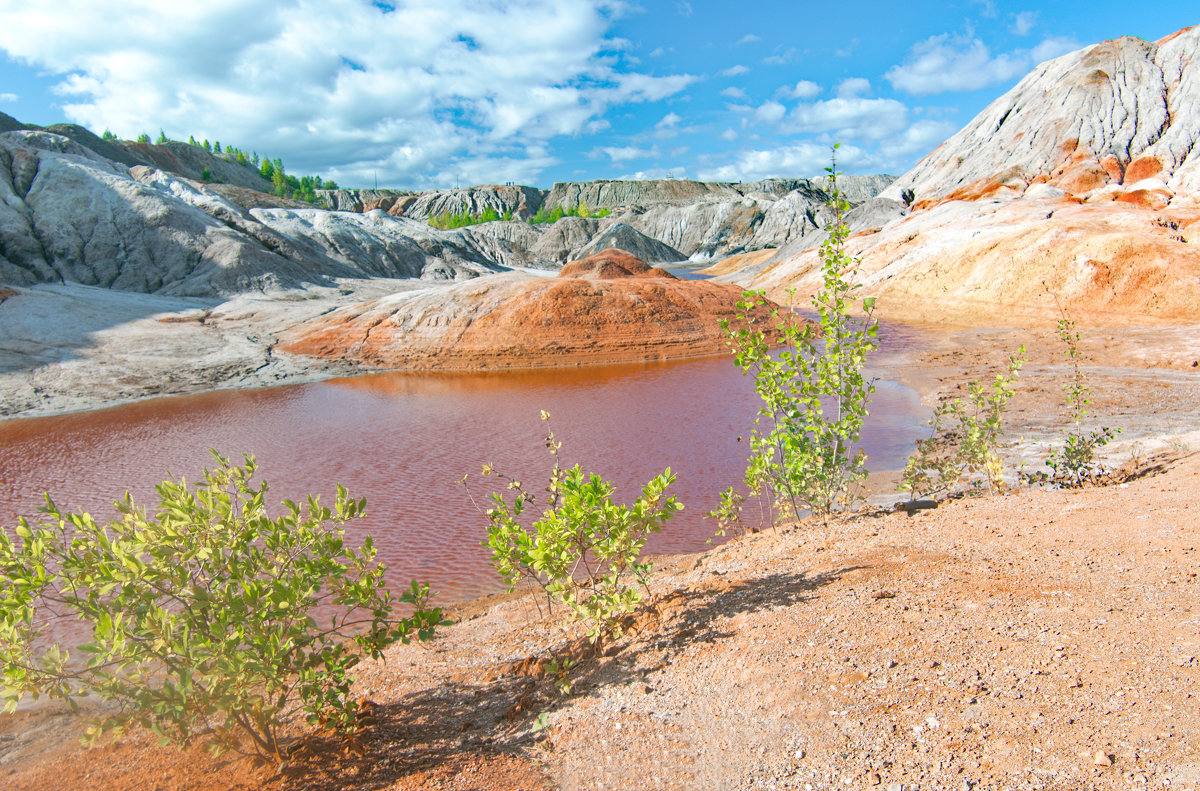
pixel 430 93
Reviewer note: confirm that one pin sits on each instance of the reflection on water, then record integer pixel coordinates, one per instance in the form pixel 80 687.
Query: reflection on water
pixel 403 441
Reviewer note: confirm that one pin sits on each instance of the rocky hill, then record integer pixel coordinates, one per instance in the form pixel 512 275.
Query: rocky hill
pixel 135 216
pixel 1120 114
pixel 610 307
pixel 695 219
pixel 1082 181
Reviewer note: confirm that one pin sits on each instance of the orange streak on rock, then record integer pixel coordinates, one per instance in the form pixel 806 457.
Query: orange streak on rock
pixel 1142 168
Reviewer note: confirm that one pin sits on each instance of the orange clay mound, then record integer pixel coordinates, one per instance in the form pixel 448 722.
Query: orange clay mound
pixel 517 320
pixel 612 264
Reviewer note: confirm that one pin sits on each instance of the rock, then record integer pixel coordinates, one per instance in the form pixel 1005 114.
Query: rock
pixel 623 237
pixel 376 244
pixel 1083 179
pixel 67 214
pixel 1117 112
pixel 475 200
pixel 516 320
pixel 184 159
pixel 1101 758
pixel 619 194
pixel 612 264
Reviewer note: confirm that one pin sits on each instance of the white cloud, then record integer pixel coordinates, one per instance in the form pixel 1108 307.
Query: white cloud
pixel 8 97
pixel 1053 47
pixel 803 159
pixel 955 63
pixel 849 118
pixel 805 89
pixel 1023 22
pixel 749 38
pixel 916 141
pixel 655 173
pixel 781 58
pixel 734 71
pixel 625 153
pixel 434 86
pixel 852 87
pixel 729 134
pixel 684 8
pixel 848 50
pixel 769 112
pixel 668 120
pixel 657 52
pixel 987 8
pixel 733 93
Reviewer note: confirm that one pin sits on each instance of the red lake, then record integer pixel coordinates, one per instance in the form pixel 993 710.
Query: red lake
pixel 403 441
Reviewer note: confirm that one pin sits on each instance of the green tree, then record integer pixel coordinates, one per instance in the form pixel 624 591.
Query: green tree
pixel 143 138
pixel 814 394
pixel 108 135
pixel 210 619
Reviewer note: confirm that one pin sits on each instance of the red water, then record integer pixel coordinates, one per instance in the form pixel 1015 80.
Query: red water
pixel 404 441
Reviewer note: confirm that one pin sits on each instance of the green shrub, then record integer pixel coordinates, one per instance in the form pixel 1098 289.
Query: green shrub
pixel 143 138
pixel 961 448
pixel 449 220
pixel 814 394
pixel 209 619
pixel 1075 463
pixel 550 216
pixel 585 551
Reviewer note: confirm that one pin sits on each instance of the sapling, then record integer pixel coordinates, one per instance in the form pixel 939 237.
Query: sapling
pixel 964 437
pixel 585 551
pixel 1075 462
pixel 803 449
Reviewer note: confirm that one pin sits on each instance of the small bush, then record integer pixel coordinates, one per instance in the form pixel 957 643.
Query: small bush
pixel 961 448
pixel 203 615
pixel 585 551
pixel 1076 462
